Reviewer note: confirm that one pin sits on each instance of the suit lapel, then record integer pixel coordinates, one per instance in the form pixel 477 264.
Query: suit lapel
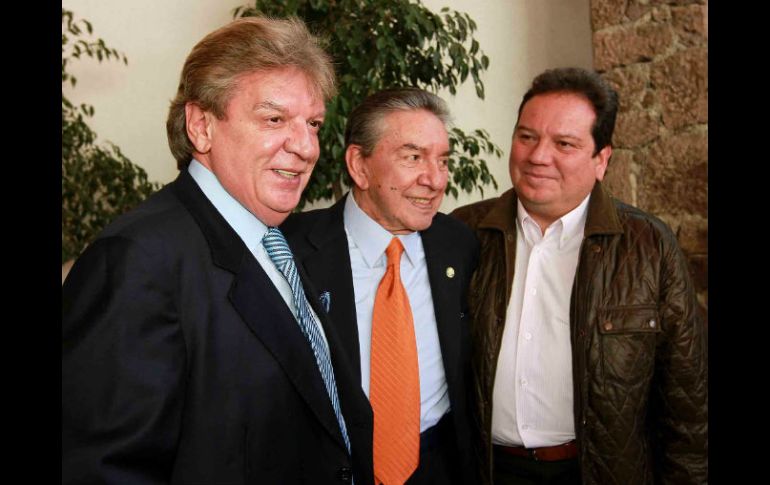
pixel 446 299
pixel 328 266
pixel 349 385
pixel 260 305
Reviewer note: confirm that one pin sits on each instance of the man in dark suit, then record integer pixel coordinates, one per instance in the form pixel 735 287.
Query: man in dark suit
pixel 191 351
pixel 388 229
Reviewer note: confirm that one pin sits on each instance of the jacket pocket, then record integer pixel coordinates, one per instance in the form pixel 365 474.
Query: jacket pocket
pixel 628 336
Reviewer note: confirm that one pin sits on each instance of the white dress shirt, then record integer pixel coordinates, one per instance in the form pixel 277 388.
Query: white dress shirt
pixel 250 229
pixel 367 241
pixel 532 397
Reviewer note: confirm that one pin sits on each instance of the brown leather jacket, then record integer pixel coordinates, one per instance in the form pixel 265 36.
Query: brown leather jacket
pixel 639 356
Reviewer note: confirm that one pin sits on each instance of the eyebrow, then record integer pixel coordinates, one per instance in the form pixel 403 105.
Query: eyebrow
pixel 412 146
pixel 269 105
pixel 558 135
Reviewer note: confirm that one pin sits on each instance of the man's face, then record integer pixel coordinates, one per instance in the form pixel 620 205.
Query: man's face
pixel 551 163
pixel 401 184
pixel 266 146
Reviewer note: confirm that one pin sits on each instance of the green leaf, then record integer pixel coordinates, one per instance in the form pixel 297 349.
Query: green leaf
pixel 98 182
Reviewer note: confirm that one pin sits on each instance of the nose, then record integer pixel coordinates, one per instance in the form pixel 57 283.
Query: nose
pixel 302 141
pixel 433 176
pixel 541 153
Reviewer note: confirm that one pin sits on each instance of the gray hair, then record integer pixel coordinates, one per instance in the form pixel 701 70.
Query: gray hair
pixel 364 126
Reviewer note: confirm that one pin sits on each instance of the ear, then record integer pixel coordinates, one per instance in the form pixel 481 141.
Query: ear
pixel 357 167
pixel 198 124
pixel 602 159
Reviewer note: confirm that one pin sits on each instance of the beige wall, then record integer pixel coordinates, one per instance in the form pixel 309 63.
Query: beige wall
pixel 521 38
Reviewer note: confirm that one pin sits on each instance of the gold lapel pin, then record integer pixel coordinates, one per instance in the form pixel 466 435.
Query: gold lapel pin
pixel 450 272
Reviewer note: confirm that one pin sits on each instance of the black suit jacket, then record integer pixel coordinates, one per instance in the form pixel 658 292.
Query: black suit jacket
pixel 319 244
pixel 181 363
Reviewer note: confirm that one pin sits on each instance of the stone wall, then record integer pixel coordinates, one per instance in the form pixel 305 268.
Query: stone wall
pixel 654 52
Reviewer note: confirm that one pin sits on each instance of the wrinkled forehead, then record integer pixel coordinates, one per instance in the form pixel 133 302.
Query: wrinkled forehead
pixel 261 77
pixel 399 122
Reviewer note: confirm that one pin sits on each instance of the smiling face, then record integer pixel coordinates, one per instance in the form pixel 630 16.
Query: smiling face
pixel 401 184
pixel 552 164
pixel 266 146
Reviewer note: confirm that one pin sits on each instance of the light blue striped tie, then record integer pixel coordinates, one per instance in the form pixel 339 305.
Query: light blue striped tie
pixel 280 254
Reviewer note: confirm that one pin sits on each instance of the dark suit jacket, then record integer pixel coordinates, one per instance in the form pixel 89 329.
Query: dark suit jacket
pixel 319 244
pixel 181 363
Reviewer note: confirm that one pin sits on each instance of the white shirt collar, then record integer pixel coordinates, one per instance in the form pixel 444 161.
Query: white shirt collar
pixel 372 239
pixel 567 227
pixel 250 229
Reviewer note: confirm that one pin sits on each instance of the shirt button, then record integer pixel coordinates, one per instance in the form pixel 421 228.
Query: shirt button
pixel 608 325
pixel 523 382
pixel 528 336
pixel 534 291
pixel 526 426
pixel 345 474
pixel 596 248
pixel 652 323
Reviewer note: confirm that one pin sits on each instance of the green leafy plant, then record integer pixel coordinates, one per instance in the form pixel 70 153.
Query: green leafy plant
pixel 378 44
pixel 98 181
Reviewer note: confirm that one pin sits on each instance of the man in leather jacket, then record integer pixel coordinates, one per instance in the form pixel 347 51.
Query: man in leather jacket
pixel 589 356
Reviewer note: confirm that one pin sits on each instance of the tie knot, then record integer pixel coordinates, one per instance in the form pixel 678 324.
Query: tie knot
pixel 394 250
pixel 276 245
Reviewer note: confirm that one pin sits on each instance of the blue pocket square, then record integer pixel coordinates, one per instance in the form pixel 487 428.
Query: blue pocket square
pixel 326 300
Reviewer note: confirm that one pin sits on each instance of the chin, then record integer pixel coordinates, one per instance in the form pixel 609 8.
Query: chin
pixel 421 225
pixel 286 203
pixel 537 196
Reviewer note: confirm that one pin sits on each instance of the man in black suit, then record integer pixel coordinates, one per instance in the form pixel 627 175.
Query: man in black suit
pixel 191 352
pixel 396 153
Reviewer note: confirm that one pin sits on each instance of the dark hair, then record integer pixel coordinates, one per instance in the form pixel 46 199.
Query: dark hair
pixel 583 82
pixel 216 64
pixel 364 126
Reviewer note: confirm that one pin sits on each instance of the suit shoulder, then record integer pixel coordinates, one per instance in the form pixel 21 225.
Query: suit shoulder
pixel 453 227
pixel 454 236
pixel 472 214
pixel 301 222
pixel 636 221
pixel 161 209
pixel 159 221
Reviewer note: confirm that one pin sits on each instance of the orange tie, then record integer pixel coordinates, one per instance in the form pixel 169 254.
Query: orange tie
pixel 395 378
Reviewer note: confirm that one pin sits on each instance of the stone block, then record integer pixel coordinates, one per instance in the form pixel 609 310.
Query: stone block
pixel 660 14
pixel 673 174
pixel 606 13
pixel 692 18
pixel 681 82
pixel 631 44
pixel 691 25
pixel 692 232
pixel 637 9
pixel 676 2
pixel 631 83
pixel 635 128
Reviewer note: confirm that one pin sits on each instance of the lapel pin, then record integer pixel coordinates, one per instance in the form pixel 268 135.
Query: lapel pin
pixel 450 272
